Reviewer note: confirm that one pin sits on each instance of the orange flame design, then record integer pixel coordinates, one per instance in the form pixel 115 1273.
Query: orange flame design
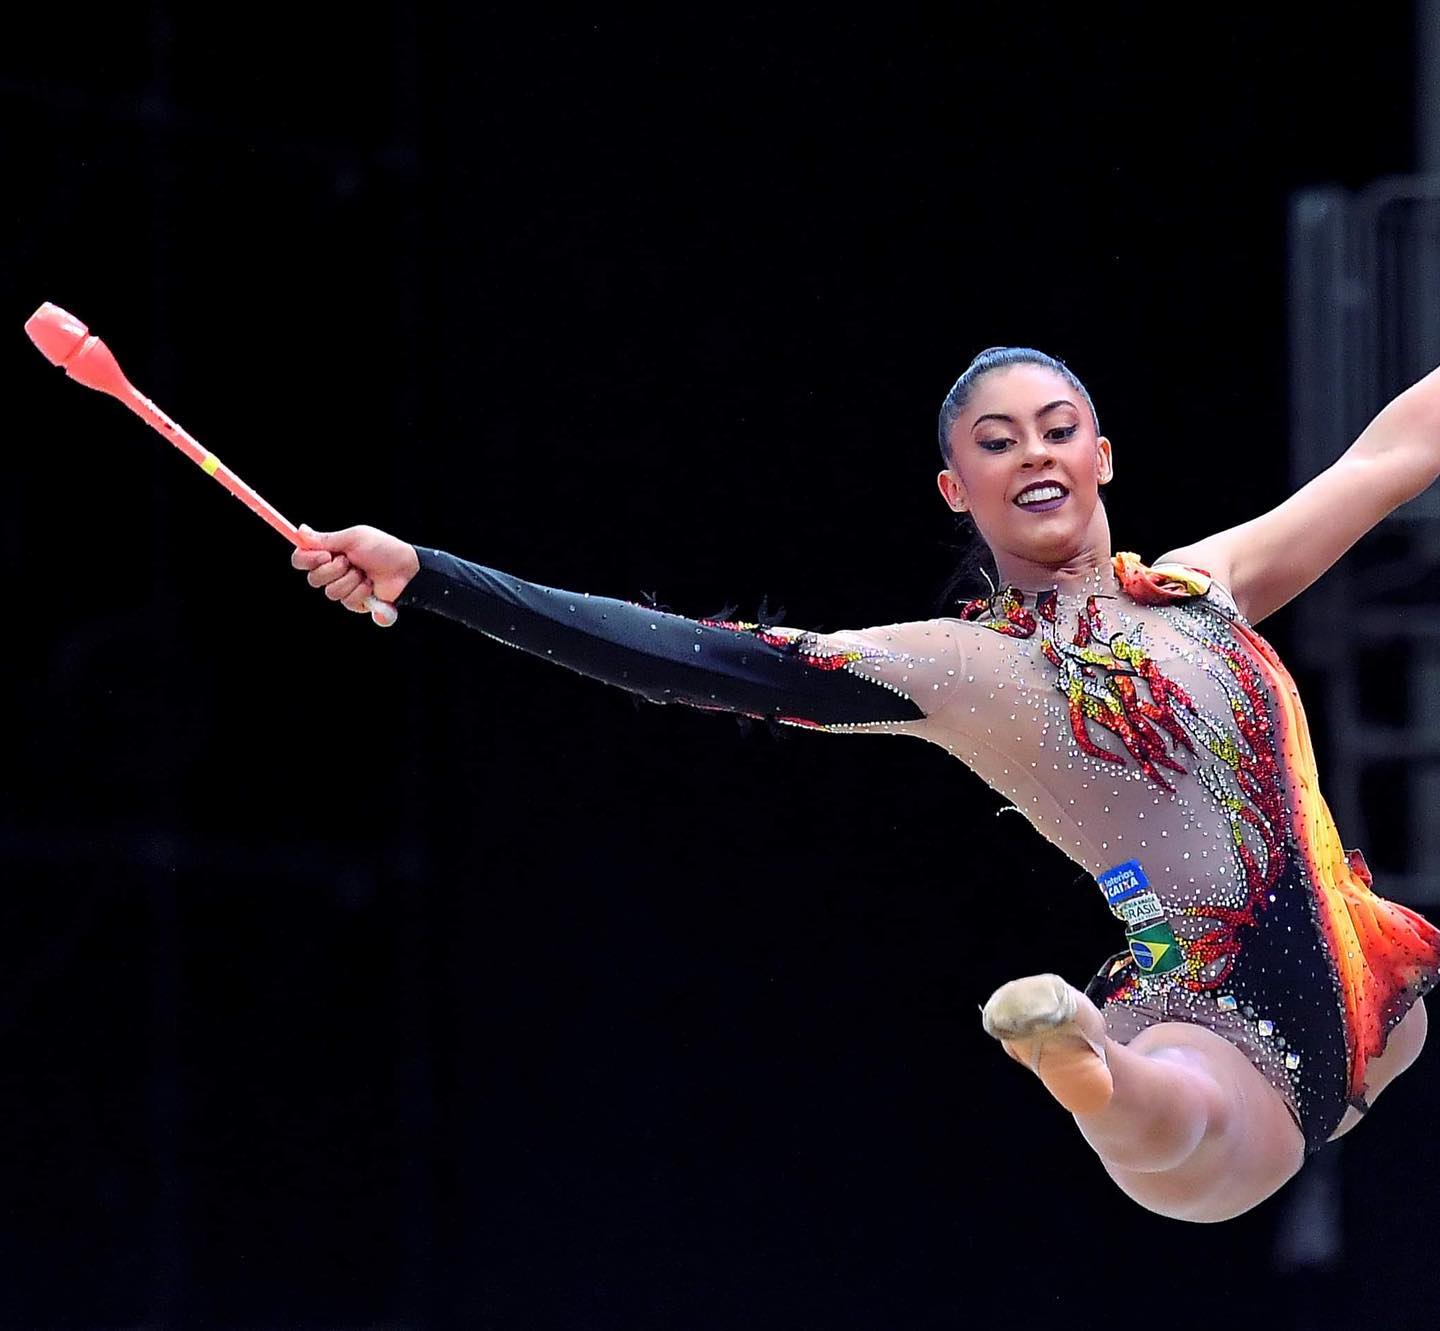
pixel 1385 955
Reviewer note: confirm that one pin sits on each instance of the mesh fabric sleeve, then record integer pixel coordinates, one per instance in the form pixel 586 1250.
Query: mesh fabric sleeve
pixel 872 678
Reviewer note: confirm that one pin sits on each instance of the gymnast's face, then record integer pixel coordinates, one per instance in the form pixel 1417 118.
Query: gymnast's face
pixel 1027 465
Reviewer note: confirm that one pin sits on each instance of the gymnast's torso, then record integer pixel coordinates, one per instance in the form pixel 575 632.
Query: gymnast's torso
pixel 1146 729
pixel 1139 723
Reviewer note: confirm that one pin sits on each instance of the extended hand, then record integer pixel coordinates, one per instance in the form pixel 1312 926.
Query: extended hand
pixel 355 563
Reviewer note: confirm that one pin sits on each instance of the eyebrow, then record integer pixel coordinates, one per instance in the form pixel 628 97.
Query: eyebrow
pixel 1010 420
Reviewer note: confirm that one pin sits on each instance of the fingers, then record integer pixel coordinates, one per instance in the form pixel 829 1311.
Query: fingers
pixel 356 600
pixel 341 587
pixel 341 580
pixel 328 572
pixel 344 539
pixel 328 539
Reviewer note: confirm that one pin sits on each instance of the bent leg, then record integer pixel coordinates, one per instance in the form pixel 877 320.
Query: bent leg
pixel 1194 1130
pixel 1182 1121
pixel 1401 1050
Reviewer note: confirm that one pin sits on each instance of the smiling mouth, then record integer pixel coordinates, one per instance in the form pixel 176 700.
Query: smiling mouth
pixel 1043 496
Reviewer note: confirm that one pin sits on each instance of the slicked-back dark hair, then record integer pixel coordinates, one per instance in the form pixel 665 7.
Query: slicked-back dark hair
pixel 1001 358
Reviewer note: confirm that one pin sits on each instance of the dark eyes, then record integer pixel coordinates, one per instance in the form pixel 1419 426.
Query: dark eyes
pixel 1056 436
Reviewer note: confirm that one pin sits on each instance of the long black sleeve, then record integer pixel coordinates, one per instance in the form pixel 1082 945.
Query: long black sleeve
pixel 804 679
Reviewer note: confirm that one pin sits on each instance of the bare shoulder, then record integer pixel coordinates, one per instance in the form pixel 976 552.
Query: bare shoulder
pixel 1209 556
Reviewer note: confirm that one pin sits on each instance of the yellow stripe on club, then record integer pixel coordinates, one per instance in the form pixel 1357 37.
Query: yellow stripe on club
pixel 210 465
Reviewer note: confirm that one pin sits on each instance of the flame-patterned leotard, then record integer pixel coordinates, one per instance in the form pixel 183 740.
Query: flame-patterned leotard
pixel 1141 724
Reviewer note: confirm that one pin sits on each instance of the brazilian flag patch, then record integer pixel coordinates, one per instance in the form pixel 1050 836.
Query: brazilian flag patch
pixel 1155 949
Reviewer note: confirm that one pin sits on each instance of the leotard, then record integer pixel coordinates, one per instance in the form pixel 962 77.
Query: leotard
pixel 1140 723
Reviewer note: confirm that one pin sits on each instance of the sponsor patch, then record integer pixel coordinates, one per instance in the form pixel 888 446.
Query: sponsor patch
pixel 1138 910
pixel 1123 881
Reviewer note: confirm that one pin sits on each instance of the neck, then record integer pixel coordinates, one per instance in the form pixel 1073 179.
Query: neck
pixel 1087 573
pixel 1084 570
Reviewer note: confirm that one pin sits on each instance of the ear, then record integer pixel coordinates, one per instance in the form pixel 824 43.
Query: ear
pixel 952 488
pixel 1104 461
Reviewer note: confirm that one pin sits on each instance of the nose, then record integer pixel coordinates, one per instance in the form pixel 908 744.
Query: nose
pixel 1036 452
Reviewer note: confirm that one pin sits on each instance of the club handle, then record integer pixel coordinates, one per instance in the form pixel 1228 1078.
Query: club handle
pixel 382 612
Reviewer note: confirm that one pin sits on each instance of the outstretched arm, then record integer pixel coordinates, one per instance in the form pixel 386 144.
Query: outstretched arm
pixel 1271 559
pixel 874 678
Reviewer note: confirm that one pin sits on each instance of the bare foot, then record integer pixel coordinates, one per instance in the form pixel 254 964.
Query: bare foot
pixel 1056 1032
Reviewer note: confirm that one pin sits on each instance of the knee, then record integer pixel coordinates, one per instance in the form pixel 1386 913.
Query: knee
pixel 1174 1107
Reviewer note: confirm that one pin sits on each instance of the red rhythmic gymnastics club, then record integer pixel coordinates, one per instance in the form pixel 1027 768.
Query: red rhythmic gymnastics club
pixel 65 341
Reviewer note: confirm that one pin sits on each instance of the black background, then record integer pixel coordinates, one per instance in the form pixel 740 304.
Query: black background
pixel 352 978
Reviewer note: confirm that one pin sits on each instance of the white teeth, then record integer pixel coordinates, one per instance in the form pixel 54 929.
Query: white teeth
pixel 1039 495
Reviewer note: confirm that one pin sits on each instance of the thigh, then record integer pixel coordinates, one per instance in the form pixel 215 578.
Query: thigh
pixel 1401 1050
pixel 1252 1147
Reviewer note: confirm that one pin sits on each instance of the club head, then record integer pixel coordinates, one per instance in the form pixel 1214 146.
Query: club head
pixel 63 340
pixel 56 332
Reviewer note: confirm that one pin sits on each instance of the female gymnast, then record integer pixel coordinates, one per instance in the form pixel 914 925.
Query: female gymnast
pixel 1133 714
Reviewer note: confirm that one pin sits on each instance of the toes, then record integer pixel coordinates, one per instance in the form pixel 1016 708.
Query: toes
pixel 1022 1007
